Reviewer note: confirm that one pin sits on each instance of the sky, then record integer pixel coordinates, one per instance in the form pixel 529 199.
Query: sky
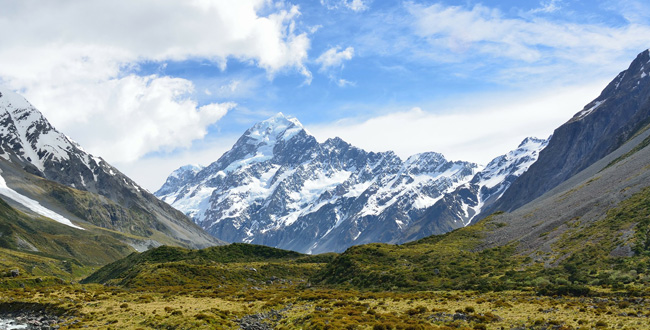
pixel 151 85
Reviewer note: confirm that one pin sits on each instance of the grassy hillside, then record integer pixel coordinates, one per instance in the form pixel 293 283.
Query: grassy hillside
pixel 235 264
pixel 42 247
pixel 612 252
pixel 449 261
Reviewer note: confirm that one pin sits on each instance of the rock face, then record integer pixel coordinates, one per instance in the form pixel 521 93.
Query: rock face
pixel 621 111
pixel 279 187
pixel 29 143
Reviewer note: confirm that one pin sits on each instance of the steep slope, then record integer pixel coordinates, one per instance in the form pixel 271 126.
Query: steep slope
pixel 574 207
pixel 48 238
pixel 278 186
pixel 78 185
pixel 620 111
pixel 468 200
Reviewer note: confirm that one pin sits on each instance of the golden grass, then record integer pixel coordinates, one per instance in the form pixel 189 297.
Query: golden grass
pixel 101 307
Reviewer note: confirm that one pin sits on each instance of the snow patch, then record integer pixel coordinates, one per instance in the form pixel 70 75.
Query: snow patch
pixel 33 205
pixel 358 189
pixel 585 113
pixel 423 201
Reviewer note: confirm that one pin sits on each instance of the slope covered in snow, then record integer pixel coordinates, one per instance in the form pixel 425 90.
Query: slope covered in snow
pixel 278 186
pixel 468 202
pixel 499 174
pixel 33 205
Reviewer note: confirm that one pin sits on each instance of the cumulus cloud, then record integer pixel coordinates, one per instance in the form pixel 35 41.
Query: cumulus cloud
pixel 333 58
pixel 75 61
pixel 469 129
pixel 124 119
pixel 152 170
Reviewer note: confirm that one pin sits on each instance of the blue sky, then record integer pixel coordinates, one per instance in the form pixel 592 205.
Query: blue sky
pixel 153 85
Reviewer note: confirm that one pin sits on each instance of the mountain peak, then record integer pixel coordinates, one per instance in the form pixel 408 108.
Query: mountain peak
pixel 634 79
pixel 280 120
pixel 274 128
pixel 619 113
pixel 8 97
pixel 190 168
pixel 532 140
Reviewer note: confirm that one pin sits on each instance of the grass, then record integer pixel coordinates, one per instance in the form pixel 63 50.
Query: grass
pixel 296 307
pixel 444 262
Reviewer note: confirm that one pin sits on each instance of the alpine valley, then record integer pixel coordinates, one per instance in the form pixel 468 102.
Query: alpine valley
pixel 552 235
pixel 279 187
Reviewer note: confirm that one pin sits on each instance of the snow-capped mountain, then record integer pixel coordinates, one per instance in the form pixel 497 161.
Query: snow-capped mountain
pixel 467 202
pixel 29 143
pixel 278 186
pixel 28 138
pixel 498 175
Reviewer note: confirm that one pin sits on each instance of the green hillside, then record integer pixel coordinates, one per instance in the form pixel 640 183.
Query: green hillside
pixel 235 264
pixel 613 252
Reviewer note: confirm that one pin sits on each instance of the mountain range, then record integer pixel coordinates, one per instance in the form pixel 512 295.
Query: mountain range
pixel 278 186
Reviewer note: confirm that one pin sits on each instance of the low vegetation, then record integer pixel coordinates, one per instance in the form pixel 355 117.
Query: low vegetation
pixel 594 277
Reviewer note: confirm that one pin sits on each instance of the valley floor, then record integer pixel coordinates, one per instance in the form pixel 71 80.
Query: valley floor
pixel 280 305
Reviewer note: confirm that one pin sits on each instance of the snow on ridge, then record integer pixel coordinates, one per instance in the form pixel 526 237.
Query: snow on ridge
pixel 194 168
pixel 587 112
pixel 33 205
pixel 500 168
pixel 411 187
pixel 268 131
pixel 248 190
pixel 27 121
pixel 496 173
pixel 11 98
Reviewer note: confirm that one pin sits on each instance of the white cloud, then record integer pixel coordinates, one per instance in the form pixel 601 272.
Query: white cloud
pixel 473 129
pixel 333 58
pixel 634 11
pixel 354 5
pixel 481 31
pixel 549 6
pixel 123 119
pixel 344 83
pixel 73 60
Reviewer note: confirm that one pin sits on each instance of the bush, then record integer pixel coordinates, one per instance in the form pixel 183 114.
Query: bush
pixel 565 290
